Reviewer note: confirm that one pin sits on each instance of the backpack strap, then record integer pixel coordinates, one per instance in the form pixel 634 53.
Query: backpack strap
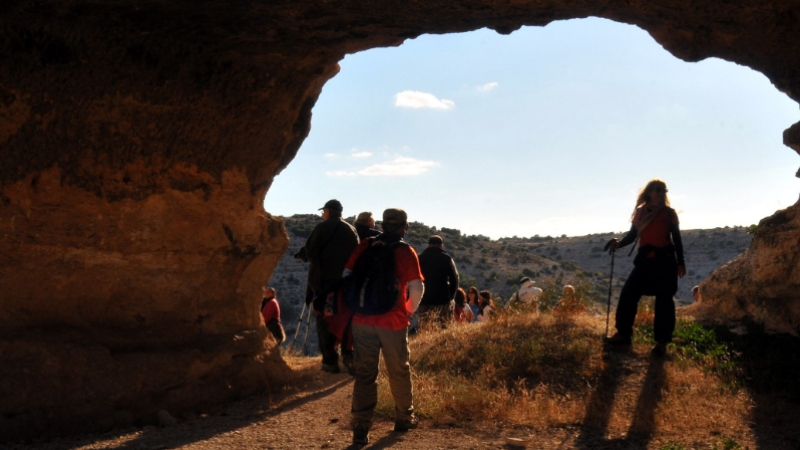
pixel 336 230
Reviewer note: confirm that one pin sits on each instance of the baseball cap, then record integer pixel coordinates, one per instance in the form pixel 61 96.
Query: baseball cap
pixel 333 205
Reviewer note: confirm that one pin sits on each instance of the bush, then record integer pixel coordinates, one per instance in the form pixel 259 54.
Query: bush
pixel 672 446
pixel 728 444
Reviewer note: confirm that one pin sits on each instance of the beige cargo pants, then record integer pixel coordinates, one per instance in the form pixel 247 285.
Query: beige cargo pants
pixel 369 342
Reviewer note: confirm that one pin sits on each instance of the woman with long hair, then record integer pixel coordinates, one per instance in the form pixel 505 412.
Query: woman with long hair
pixel 657 266
pixel 486 306
pixel 472 300
pixel 462 313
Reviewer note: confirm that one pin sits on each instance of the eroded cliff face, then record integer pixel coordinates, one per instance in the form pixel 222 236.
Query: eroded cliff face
pixel 762 285
pixel 138 140
pixel 114 310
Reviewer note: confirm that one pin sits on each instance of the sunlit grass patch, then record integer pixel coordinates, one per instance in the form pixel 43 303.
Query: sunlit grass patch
pixel 542 371
pixel 520 368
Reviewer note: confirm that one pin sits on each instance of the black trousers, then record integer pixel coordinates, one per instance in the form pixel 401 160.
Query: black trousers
pixel 327 340
pixel 651 276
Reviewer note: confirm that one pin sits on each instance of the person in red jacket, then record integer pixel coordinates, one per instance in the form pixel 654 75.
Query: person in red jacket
pixel 656 269
pixel 271 312
pixel 386 333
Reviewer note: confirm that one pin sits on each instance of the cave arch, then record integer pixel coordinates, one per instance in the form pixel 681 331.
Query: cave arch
pixel 138 140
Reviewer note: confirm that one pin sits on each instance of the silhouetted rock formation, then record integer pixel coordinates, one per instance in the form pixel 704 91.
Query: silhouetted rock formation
pixel 762 285
pixel 138 140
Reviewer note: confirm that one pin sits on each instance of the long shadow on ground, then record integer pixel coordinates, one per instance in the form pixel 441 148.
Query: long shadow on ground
pixel 330 386
pixel 601 403
pixel 240 415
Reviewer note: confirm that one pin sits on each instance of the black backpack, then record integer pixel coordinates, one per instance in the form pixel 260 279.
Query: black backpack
pixel 372 287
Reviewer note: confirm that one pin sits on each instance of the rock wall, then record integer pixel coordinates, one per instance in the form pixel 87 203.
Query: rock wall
pixel 138 139
pixel 762 285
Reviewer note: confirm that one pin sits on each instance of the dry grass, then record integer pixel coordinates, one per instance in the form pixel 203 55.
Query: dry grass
pixel 542 371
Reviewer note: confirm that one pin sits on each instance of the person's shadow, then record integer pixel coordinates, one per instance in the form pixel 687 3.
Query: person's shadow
pixel 601 403
pixel 644 416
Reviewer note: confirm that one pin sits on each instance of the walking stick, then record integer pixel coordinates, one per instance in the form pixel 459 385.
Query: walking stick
pixel 299 324
pixel 308 325
pixel 610 283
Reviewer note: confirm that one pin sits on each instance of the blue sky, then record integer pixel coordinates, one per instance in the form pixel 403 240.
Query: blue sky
pixel 550 131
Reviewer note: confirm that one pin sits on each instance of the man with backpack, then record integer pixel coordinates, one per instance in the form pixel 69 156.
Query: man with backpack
pixel 383 289
pixel 441 284
pixel 527 295
pixel 327 250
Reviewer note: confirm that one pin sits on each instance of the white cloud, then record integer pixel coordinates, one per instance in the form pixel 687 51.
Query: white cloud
pixel 488 86
pixel 361 155
pixel 330 155
pixel 415 99
pixel 340 173
pixel 400 166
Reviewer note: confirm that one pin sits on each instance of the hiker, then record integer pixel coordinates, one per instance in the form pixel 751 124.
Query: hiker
pixel 527 295
pixel 657 266
pixel 473 301
pixel 462 313
pixel 441 283
pixel 365 225
pixel 486 306
pixel 386 333
pixel 327 250
pixel 569 303
pixel 271 312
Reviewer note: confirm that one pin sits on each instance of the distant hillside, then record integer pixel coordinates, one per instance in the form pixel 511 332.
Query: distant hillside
pixel 498 265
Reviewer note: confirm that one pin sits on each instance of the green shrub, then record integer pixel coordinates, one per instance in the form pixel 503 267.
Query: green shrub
pixel 672 446
pixel 728 444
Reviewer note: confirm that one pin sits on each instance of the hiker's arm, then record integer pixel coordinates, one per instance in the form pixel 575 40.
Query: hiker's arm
pixel 630 237
pixel 415 290
pixel 678 242
pixel 301 255
pixel 453 275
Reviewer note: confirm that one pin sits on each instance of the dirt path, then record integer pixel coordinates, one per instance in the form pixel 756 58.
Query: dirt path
pixel 315 414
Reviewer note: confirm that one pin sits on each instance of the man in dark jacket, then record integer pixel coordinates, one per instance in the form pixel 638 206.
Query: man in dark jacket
pixel 365 226
pixel 441 283
pixel 327 250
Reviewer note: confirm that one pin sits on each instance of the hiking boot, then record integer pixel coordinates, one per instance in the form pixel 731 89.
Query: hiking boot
pixel 360 434
pixel 659 350
pixel 618 340
pixel 408 423
pixel 331 368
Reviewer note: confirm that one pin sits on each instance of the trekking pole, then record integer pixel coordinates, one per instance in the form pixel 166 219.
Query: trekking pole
pixel 299 324
pixel 308 325
pixel 610 283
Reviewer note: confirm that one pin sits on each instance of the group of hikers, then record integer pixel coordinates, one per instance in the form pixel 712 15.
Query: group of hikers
pixel 365 286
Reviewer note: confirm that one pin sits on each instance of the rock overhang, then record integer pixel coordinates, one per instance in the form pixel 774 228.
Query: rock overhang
pixel 139 138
